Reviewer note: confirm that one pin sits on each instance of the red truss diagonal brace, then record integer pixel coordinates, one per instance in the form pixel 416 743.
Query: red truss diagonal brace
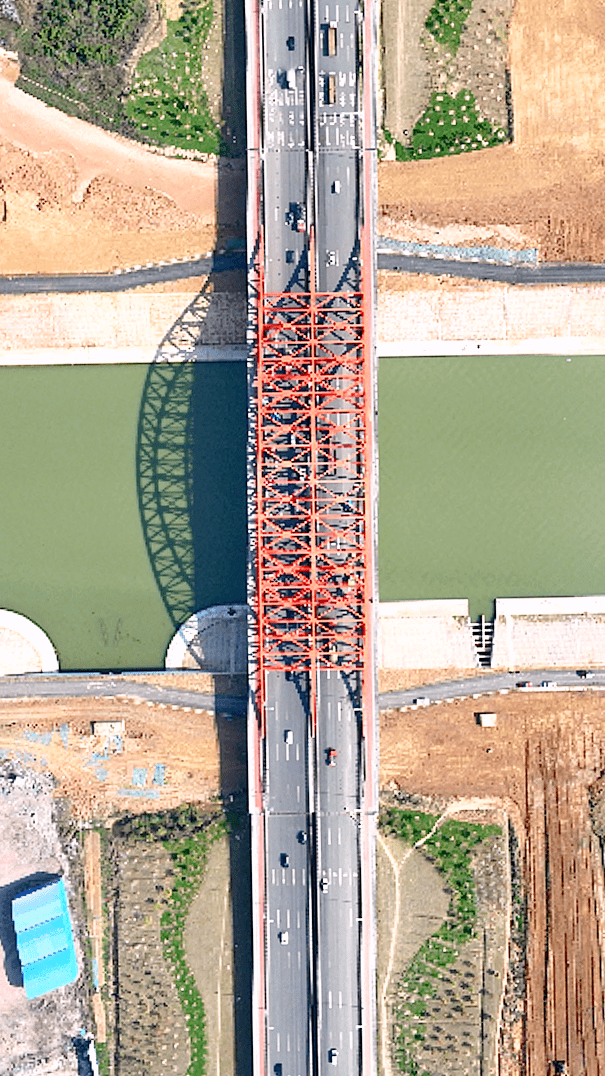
pixel 313 466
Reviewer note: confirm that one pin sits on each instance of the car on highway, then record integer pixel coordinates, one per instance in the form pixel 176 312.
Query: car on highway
pixel 283 937
pixel 288 736
pixel 285 859
pixel 422 700
pixel 585 674
pixel 524 683
pixel 302 837
pixel 548 683
pixel 324 884
pixel 296 216
pixel 331 754
pixel 333 1057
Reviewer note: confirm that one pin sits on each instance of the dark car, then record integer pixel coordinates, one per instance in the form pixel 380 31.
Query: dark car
pixel 524 683
pixel 585 674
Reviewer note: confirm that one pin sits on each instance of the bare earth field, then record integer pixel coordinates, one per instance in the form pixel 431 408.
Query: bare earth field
pixel 76 198
pixel 100 777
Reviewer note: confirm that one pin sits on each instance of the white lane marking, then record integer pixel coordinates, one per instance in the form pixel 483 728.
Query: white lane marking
pixel 299 960
pixel 277 916
pixel 304 875
pixel 288 918
pixel 293 876
pixel 327 13
pixel 339 836
pixel 298 753
pixel 298 793
pixel 340 999
pixel 288 1042
pixel 288 752
pixel 272 875
pixel 278 1042
pixel 298 920
pixel 277 752
pixel 329 836
pixel 340 875
pixel 337 13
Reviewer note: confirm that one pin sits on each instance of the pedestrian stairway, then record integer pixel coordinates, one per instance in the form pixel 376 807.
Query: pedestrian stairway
pixel 483 636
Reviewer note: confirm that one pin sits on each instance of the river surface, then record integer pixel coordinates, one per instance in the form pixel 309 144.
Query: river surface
pixel 490 486
pixel 491 478
pixel 92 547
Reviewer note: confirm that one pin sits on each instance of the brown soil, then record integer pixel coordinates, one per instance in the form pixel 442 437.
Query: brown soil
pixel 551 181
pixel 76 198
pixel 539 763
pixel 207 757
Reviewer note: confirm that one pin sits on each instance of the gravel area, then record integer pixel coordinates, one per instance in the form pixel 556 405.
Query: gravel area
pixel 36 1036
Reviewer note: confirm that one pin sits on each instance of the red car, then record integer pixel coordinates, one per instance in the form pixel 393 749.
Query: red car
pixel 332 753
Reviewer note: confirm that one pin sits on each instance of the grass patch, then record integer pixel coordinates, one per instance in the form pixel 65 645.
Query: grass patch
pixel 450 125
pixel 103 1058
pixel 167 104
pixel 449 848
pixel 445 21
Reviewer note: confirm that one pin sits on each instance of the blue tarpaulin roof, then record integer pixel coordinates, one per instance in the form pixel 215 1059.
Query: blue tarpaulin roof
pixel 44 939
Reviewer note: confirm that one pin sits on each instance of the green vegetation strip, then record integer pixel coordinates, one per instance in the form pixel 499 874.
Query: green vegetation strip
pixel 449 125
pixel 449 849
pixel 167 104
pixel 187 835
pixel 445 21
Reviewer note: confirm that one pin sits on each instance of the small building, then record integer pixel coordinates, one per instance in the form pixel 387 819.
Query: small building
pixel 44 939
pixel 486 720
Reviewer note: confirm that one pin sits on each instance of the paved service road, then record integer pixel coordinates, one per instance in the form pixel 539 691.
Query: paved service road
pixel 337 168
pixel 65 685
pixel 560 679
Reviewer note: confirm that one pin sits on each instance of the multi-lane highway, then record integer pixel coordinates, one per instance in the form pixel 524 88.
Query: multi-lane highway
pixel 312 716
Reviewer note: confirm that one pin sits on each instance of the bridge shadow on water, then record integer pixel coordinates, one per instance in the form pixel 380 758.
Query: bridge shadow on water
pixel 191 481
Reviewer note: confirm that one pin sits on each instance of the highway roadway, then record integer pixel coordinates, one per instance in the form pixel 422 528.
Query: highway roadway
pixel 311 772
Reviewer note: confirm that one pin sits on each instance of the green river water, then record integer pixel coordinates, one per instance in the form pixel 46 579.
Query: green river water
pixel 490 485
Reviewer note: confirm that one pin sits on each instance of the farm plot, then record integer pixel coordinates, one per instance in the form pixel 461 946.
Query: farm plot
pixel 445 1005
pixel 159 862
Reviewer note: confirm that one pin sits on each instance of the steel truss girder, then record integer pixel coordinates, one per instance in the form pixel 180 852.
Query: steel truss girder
pixel 312 467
